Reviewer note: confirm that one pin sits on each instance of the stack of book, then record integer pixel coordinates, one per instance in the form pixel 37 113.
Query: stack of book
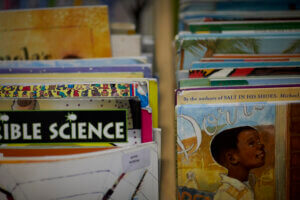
pixel 76 123
pixel 238 100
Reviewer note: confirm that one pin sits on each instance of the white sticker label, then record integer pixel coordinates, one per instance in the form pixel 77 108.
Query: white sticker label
pixel 136 160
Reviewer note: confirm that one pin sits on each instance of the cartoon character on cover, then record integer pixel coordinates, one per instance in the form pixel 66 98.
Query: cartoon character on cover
pixel 238 150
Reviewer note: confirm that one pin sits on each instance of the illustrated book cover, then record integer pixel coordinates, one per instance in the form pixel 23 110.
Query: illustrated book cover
pixel 55 33
pixel 237 147
pixel 193 47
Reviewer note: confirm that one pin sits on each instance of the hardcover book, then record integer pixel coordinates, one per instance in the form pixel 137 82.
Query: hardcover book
pixel 193 47
pixel 237 147
pixel 55 33
pixel 122 173
pixel 70 122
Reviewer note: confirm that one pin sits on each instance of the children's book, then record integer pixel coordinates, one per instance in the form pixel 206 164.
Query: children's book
pixel 237 72
pixel 243 72
pixel 244 26
pixel 145 69
pixel 150 102
pixel 254 80
pixel 193 47
pixel 70 122
pixel 221 132
pixel 227 94
pixel 241 59
pixel 145 90
pixel 55 33
pixel 123 173
pixel 189 17
pixel 254 56
pixel 92 62
pixel 199 65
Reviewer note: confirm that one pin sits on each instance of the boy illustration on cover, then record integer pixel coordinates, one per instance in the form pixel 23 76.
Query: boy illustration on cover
pixel 239 150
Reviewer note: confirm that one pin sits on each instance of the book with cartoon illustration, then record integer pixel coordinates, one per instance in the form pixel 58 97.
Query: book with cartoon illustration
pixel 193 47
pixel 55 33
pixel 234 141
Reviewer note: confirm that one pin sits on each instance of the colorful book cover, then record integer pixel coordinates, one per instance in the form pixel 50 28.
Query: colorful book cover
pixel 241 59
pixel 243 72
pixel 199 65
pixel 110 88
pixel 55 33
pixel 215 158
pixel 193 47
pixel 254 56
pixel 70 122
pixel 152 85
pixel 123 173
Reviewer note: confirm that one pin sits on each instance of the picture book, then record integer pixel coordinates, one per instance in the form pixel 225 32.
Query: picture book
pixel 241 59
pixel 145 90
pixel 254 56
pixel 244 26
pixel 70 122
pixel 145 69
pixel 188 17
pixel 211 125
pixel 122 173
pixel 193 47
pixel 199 65
pixel 228 94
pixel 237 72
pixel 254 80
pixel 55 33
pixel 75 75
pixel 64 63
pixel 243 72
pixel 150 102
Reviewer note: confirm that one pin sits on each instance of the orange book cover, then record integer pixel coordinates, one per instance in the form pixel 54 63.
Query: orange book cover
pixel 55 33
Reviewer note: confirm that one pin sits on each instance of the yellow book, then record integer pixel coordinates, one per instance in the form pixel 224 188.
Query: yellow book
pixel 55 33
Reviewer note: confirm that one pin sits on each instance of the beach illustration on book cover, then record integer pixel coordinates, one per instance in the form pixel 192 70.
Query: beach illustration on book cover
pixel 207 166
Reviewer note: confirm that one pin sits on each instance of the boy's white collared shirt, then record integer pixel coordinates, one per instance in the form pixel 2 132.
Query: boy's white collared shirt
pixel 233 189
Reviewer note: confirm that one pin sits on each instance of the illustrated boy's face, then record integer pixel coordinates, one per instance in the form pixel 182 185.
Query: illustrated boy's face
pixel 250 151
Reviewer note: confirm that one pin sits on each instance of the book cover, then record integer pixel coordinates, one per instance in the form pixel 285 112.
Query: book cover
pixel 110 88
pixel 206 169
pixel 144 69
pixel 253 56
pixel 70 122
pixel 210 120
pixel 150 84
pixel 122 173
pixel 64 63
pixel 55 33
pixel 242 72
pixel 244 26
pixel 229 94
pixel 255 80
pixel 198 65
pixel 193 47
